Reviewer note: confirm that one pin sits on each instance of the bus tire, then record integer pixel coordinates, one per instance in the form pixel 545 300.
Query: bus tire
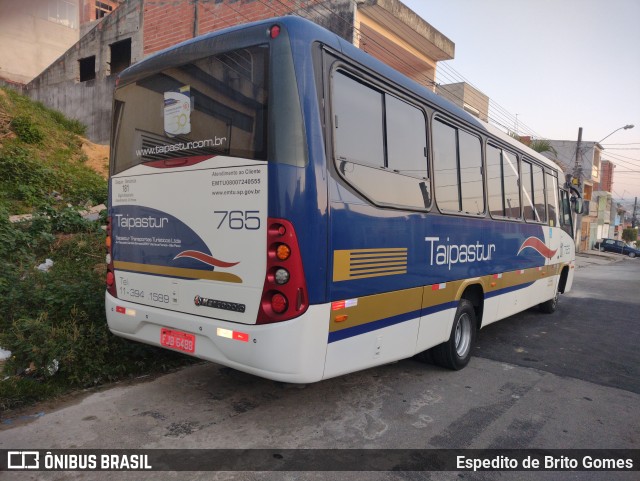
pixel 550 306
pixel 455 353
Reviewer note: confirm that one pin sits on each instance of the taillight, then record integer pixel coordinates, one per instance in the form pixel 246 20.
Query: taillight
pixel 285 291
pixel 111 277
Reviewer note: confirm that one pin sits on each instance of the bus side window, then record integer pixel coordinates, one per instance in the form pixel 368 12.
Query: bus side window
pixel 552 199
pixel 445 167
pixel 406 138
pixel 565 213
pixel 380 144
pixel 538 194
pixel 535 207
pixel 458 174
pixel 502 183
pixel 358 122
pixel 527 192
pixel 511 185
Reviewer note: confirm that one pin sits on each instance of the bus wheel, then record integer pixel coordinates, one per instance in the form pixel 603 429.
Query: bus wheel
pixel 550 306
pixel 456 352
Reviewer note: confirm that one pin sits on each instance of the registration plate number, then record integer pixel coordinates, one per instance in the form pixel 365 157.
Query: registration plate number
pixel 178 340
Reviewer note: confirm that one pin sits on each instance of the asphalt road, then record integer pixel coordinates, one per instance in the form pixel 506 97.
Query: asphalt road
pixel 593 336
pixel 565 380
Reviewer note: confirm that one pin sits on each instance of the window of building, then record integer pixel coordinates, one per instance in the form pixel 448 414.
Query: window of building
pixel 380 144
pixel 87 68
pixel 103 9
pixel 120 56
pixel 63 12
pixel 457 164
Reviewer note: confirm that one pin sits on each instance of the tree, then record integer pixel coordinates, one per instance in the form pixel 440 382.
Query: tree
pixel 539 145
pixel 542 145
pixel 630 235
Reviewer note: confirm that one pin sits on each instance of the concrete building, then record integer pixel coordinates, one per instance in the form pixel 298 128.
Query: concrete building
pixel 81 81
pixel 467 97
pixel 34 33
pixel 588 170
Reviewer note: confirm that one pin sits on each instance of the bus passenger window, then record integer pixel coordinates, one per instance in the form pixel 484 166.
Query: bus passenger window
pixel 445 167
pixel 552 200
pixel 565 208
pixel 494 181
pixel 472 187
pixel 406 138
pixel 527 192
pixel 511 186
pixel 502 183
pixel 457 163
pixel 358 122
pixel 538 194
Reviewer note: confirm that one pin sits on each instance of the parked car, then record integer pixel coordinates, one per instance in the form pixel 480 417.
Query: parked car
pixel 617 246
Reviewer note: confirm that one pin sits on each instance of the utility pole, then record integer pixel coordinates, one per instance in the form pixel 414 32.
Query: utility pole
pixel 577 174
pixel 635 209
pixel 577 169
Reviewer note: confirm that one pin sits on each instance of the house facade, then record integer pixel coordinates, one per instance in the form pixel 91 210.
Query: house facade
pixel 584 162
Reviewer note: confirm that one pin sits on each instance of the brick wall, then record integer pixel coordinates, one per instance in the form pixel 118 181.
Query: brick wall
pixel 606 176
pixel 167 22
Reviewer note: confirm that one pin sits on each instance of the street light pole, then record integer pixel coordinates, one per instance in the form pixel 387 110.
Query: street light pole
pixel 626 127
pixel 578 174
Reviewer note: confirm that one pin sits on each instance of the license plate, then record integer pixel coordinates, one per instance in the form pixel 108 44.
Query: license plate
pixel 178 340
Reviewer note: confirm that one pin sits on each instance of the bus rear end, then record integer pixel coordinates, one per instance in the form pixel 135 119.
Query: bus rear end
pixel 195 262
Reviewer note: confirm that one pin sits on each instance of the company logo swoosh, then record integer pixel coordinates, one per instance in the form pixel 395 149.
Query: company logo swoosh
pixel 205 258
pixel 538 246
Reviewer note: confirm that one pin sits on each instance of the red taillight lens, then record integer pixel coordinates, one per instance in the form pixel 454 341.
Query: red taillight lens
pixel 274 31
pixel 284 295
pixel 110 278
pixel 278 303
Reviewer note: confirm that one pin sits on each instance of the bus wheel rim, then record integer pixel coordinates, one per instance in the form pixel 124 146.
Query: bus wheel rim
pixel 463 335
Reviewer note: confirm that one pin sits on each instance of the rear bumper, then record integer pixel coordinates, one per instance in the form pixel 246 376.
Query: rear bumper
pixel 290 351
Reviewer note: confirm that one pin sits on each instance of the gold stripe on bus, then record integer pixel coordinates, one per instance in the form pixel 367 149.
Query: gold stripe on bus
pixel 177 272
pixel 364 263
pixel 376 274
pixel 378 306
pixel 389 304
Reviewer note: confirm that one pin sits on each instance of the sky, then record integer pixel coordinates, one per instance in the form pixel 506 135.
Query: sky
pixel 557 64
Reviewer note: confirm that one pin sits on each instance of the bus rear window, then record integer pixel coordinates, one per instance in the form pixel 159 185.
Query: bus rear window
pixel 213 106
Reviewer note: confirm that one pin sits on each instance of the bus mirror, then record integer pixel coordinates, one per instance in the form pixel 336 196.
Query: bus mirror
pixel 578 205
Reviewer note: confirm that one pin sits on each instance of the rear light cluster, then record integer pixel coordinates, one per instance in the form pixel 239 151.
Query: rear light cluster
pixel 111 278
pixel 285 292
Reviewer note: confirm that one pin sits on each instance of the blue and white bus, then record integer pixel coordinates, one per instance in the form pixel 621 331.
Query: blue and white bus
pixel 284 204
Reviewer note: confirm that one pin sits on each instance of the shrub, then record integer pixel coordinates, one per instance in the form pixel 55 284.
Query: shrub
pixel 72 125
pixel 26 130
pixel 57 317
pixel 22 177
